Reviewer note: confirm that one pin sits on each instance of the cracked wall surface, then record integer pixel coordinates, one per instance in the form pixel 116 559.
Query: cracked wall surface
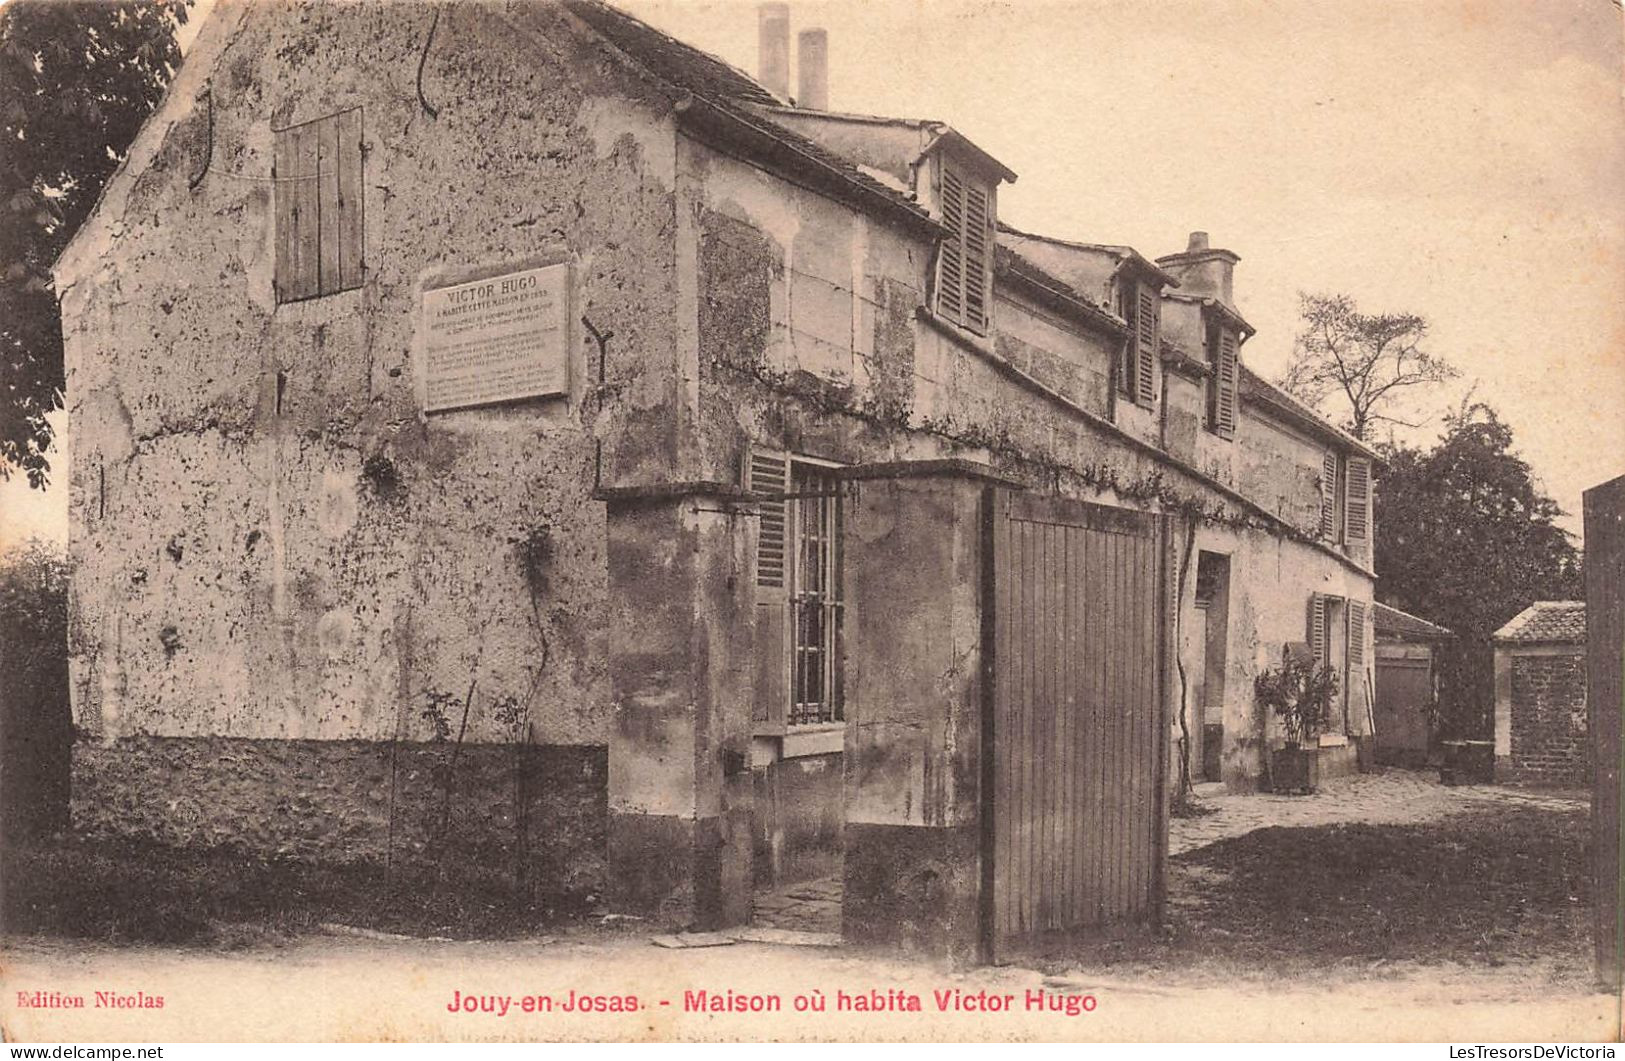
pixel 272 540
pixel 785 274
pixel 277 547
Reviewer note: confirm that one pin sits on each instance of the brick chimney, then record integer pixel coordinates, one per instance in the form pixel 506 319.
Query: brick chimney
pixel 812 69
pixel 1203 270
pixel 773 48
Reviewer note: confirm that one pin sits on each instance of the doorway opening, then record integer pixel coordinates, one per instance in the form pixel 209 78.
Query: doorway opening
pixel 1213 604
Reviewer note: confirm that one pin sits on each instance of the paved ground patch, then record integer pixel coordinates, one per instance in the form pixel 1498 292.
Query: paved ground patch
pixel 1392 797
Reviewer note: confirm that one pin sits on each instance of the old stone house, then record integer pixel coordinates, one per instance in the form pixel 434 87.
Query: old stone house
pixel 503 430
pixel 1540 696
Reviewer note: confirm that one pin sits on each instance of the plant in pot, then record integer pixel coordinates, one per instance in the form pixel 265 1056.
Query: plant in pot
pixel 1299 693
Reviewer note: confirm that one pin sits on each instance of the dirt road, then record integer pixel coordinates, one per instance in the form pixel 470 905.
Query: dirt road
pixel 324 988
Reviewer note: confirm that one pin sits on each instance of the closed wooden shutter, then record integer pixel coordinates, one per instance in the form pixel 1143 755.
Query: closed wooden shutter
pixel 1357 653
pixel 319 207
pixel 297 217
pixel 951 256
pixel 1145 344
pixel 1328 494
pixel 1357 503
pixel 1317 626
pixel 768 477
pixel 1226 380
pixel 978 263
pixel 1359 658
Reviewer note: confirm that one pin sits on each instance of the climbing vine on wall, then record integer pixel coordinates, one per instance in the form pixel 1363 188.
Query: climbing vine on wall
pixel 1152 488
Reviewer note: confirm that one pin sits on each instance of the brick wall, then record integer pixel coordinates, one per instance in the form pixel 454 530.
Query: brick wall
pixel 1549 721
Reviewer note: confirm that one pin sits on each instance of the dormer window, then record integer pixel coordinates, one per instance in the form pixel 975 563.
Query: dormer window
pixel 1141 307
pixel 964 279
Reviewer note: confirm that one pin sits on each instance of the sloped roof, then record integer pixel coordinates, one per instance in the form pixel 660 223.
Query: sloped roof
pixel 669 58
pixel 1181 360
pixel 1009 265
pixel 1547 620
pixel 1121 252
pixel 1224 308
pixel 1390 620
pixel 940 132
pixel 738 101
pixel 1264 392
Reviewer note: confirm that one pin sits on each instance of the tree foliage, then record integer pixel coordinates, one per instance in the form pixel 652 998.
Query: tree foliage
pixel 77 79
pixel 36 727
pixel 1467 539
pixel 1360 361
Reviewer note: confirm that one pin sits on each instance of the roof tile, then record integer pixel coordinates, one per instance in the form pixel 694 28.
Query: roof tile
pixel 1547 620
pixel 1390 620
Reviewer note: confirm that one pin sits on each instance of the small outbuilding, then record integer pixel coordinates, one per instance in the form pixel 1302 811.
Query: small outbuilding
pixel 1407 685
pixel 1540 696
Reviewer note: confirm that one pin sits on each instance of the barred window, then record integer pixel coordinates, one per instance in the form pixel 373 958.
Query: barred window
pixel 816 598
pixel 800 610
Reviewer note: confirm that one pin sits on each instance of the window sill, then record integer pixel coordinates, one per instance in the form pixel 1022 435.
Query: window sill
pixel 776 743
pixel 1333 740
pixel 980 343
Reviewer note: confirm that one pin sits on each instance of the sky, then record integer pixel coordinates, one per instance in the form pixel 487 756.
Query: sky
pixel 1460 160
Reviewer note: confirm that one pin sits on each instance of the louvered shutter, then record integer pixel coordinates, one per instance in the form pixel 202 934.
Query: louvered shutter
pixel 768 477
pixel 951 255
pixel 1226 379
pixel 1357 502
pixel 978 266
pixel 1145 344
pixel 1357 655
pixel 1317 626
pixel 1328 494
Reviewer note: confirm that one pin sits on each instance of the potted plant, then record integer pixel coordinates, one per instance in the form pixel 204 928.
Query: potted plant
pixel 1299 693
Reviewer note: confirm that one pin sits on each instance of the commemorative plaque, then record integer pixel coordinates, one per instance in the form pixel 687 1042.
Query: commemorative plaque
pixel 497 339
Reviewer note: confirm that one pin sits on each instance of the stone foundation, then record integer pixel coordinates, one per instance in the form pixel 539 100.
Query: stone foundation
pixel 536 812
pixel 680 872
pixel 1339 761
pixel 913 886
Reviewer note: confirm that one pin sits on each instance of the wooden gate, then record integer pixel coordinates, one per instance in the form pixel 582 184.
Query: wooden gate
pixel 1074 827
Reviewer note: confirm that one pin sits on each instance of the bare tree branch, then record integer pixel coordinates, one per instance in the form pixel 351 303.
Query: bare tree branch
pixel 1364 358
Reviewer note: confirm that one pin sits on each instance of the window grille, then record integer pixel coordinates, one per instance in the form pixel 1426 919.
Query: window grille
pixel 800 609
pixel 815 600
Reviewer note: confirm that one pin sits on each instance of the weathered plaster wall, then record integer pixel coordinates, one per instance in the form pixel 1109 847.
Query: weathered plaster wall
pixel 958 401
pixel 1184 417
pixel 1270 583
pixel 1058 354
pixel 276 550
pixel 798 297
pixel 914 691
pixel 1279 469
pixel 272 541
